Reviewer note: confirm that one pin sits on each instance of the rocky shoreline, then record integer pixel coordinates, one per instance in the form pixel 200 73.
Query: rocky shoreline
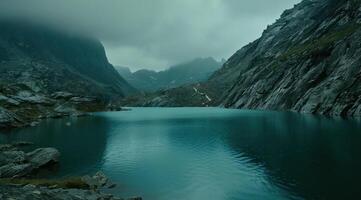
pixel 17 168
pixel 21 106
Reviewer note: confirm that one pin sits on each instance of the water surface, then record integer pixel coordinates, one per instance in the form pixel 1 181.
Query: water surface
pixel 209 153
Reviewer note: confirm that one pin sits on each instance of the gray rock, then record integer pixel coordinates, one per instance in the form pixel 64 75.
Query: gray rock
pixel 15 163
pixel 13 170
pixel 97 181
pixel 66 108
pixel 62 95
pixel 43 193
pixel 8 118
pixel 15 157
pixel 43 156
pixel 101 178
pixel 29 97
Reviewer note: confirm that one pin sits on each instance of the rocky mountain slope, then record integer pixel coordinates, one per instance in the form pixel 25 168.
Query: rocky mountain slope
pixel 50 60
pixel 191 72
pixel 307 61
pixel 45 72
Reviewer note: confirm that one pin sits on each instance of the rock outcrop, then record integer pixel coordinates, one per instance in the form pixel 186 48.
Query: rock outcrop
pixel 15 163
pixel 21 106
pixel 16 166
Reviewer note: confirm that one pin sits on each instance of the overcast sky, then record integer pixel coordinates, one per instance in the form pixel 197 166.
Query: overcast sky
pixel 157 33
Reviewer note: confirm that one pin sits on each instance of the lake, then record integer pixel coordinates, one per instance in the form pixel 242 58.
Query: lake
pixel 208 153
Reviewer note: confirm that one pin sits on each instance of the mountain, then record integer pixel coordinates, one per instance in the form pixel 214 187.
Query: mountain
pixel 50 60
pixel 307 61
pixel 194 71
pixel 45 72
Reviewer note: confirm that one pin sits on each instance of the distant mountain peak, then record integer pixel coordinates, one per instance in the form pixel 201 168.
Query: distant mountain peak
pixel 193 71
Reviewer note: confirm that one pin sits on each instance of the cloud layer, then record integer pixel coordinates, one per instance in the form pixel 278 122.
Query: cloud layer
pixel 157 33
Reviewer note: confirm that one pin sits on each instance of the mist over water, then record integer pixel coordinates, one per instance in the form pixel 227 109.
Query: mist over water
pixel 209 153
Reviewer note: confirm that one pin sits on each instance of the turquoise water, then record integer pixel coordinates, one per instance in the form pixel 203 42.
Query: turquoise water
pixel 209 153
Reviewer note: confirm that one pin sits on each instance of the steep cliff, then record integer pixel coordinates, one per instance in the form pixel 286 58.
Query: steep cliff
pixel 308 61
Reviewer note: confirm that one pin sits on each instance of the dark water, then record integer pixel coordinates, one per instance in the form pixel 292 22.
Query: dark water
pixel 209 153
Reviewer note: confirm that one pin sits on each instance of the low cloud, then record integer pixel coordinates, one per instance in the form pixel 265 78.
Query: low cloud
pixel 156 33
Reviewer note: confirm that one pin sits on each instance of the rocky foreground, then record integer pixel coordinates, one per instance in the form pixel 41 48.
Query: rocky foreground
pixel 17 168
pixel 31 192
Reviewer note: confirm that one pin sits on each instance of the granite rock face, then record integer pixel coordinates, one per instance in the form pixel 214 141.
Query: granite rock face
pixel 308 61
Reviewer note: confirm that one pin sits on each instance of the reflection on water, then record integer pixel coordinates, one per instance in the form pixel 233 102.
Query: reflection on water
pixel 81 141
pixel 209 153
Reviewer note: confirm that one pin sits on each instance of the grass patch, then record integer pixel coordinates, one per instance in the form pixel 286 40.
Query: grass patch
pixel 71 183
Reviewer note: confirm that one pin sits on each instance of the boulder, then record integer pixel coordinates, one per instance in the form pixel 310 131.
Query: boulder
pixel 97 181
pixel 16 163
pixel 43 157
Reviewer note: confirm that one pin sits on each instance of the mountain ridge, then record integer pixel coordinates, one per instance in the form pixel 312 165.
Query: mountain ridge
pixel 47 73
pixel 194 71
pixel 25 46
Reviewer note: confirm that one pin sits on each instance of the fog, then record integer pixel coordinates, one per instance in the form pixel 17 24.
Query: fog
pixel 156 33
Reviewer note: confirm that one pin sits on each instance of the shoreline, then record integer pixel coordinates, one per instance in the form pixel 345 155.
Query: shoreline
pixel 19 180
